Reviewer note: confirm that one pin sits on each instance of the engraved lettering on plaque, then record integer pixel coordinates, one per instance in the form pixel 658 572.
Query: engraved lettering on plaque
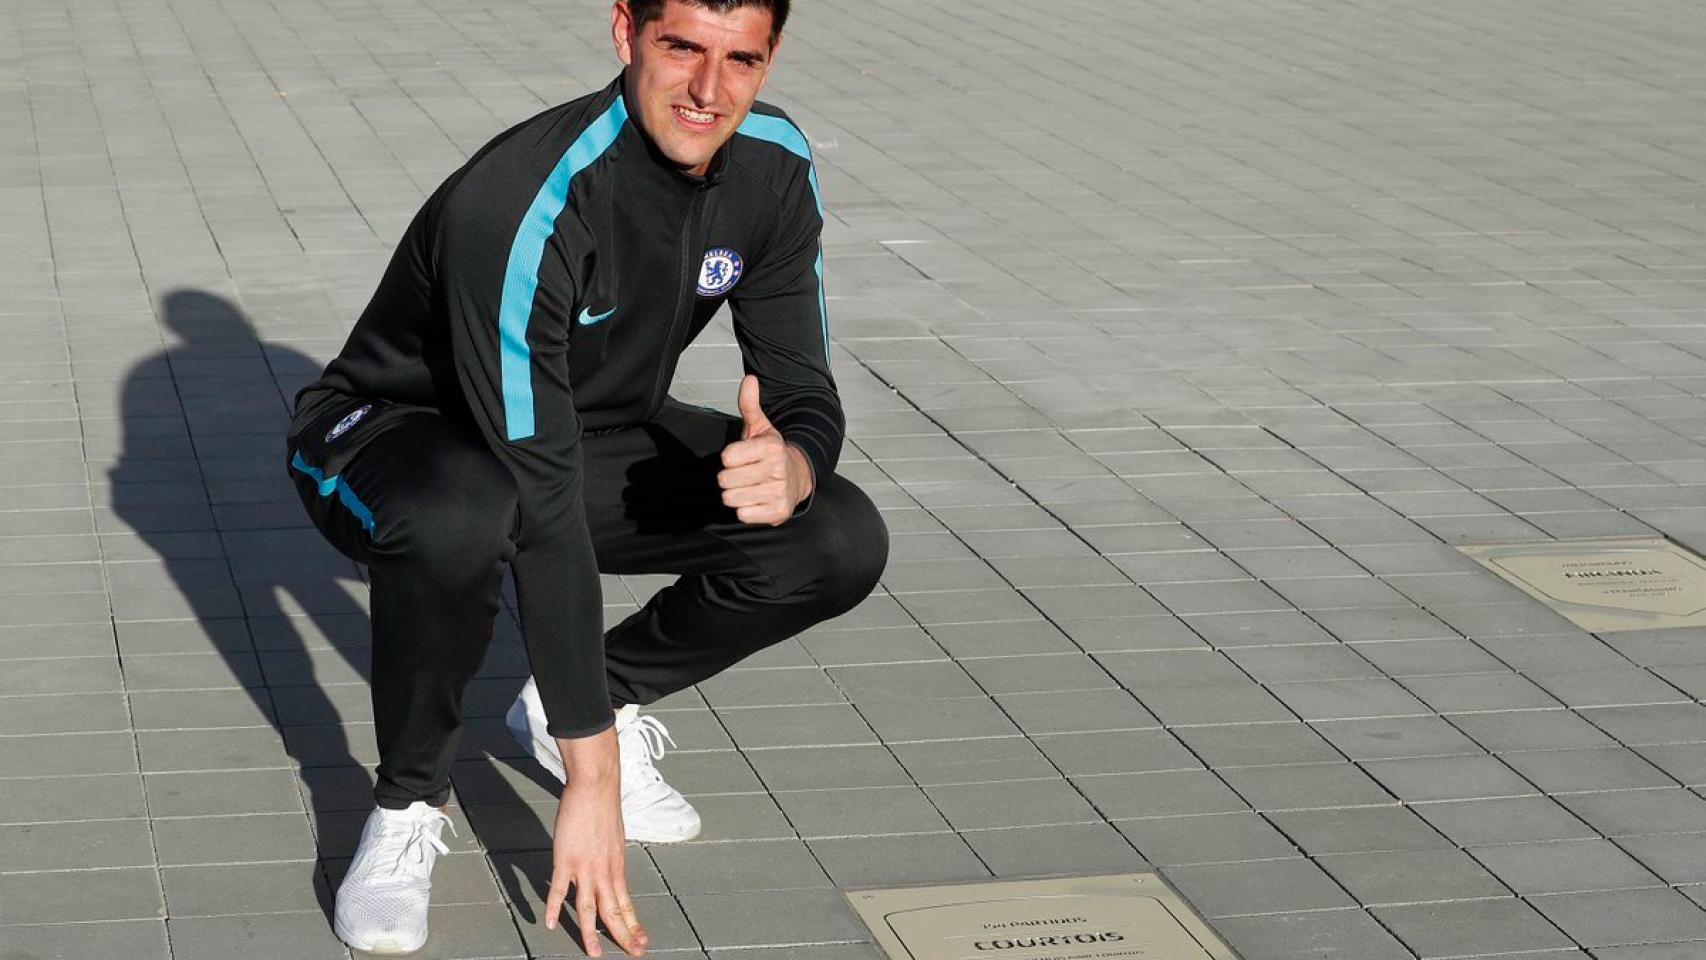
pixel 1605 586
pixel 1126 917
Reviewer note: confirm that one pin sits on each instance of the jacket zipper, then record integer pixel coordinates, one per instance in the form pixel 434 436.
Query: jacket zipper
pixel 685 285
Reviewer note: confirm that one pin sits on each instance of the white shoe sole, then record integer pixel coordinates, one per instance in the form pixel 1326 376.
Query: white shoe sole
pixel 380 947
pixel 546 754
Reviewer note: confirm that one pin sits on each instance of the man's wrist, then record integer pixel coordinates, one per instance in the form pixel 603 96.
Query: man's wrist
pixel 590 760
pixel 801 469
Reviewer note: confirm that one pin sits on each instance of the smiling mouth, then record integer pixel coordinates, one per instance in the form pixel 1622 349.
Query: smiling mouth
pixel 698 119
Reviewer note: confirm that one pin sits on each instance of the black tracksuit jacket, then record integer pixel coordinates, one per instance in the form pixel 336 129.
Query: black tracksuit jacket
pixel 549 286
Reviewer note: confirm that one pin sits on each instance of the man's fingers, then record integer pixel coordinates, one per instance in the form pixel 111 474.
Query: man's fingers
pixel 751 414
pixel 742 452
pixel 586 915
pixel 745 476
pixel 554 902
pixel 767 492
pixel 619 919
pixel 763 514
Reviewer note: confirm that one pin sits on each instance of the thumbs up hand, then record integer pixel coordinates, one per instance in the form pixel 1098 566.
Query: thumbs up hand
pixel 751 414
pixel 763 477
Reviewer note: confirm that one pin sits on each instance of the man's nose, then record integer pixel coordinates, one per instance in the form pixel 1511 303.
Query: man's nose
pixel 707 80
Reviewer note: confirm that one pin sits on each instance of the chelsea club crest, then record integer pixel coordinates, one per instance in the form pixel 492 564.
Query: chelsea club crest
pixel 719 272
pixel 343 426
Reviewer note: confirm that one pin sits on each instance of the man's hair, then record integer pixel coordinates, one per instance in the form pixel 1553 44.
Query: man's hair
pixel 645 11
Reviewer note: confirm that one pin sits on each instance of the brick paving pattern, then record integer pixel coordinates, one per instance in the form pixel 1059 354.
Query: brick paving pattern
pixel 1181 339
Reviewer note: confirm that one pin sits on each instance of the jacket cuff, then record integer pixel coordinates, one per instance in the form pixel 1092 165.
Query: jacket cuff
pixel 814 463
pixel 576 733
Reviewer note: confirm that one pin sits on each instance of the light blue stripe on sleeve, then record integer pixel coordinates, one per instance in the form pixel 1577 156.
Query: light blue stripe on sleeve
pixel 787 136
pixel 335 484
pixel 521 276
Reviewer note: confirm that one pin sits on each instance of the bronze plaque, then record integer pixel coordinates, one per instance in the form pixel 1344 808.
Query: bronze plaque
pixel 1604 586
pixel 1133 916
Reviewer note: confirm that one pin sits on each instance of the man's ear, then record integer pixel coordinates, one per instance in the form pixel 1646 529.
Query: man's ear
pixel 622 31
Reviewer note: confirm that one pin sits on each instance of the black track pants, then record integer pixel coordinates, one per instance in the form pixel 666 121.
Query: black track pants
pixel 431 512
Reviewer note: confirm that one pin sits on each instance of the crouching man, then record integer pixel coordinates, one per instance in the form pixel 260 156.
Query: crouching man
pixel 502 401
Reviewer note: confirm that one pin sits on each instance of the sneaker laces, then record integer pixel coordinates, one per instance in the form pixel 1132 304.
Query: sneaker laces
pixel 649 734
pixel 407 849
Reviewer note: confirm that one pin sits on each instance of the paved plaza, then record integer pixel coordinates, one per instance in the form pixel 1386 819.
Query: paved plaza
pixel 1181 341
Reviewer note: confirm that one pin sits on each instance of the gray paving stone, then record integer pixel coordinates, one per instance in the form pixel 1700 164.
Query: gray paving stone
pixel 289 936
pixel 840 951
pixel 1206 839
pixel 524 877
pixel 1471 823
pixel 242 748
pixel 1260 886
pixel 854 862
pixel 468 930
pixel 233 839
pixel 1131 633
pixel 1667 951
pixel 828 767
pixel 1348 699
pixel 1038 674
pixel 117 940
pixel 1536 730
pixel 1124 751
pixel 940 680
pixel 1164 794
pixel 1570 771
pixel 1305 786
pixel 1092 710
pixel 1635 812
pixel 72 755
pixel 97 674
pixel 232 792
pixel 1676 858
pixel 1318 935
pixel 1469 693
pixel 891 644
pixel 1393 738
pixel 1359 830
pixel 1412 876
pixel 1437 656
pixel 1564 867
pixel 223 889
pixel 76 845
pixel 1017 803
pixel 771 918
pixel 868 811
pixel 1419 779
pixel 1613 917
pixel 732 867
pixel 80 896
pixel 905 721
pixel 814 726
pixel 1079 849
pixel 1471 927
pixel 99 797
pixel 68 713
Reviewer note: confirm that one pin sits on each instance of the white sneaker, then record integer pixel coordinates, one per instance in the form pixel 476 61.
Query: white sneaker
pixel 382 903
pixel 652 810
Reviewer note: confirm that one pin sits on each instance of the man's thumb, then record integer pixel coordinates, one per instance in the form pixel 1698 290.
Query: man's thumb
pixel 750 411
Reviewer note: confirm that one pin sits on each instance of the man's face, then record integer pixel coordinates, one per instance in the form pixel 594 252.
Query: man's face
pixel 693 74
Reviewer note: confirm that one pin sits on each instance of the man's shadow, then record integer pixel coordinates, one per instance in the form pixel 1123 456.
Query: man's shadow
pixel 287 612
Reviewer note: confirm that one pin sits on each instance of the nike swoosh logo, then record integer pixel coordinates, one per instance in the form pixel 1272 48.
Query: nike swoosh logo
pixel 587 319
